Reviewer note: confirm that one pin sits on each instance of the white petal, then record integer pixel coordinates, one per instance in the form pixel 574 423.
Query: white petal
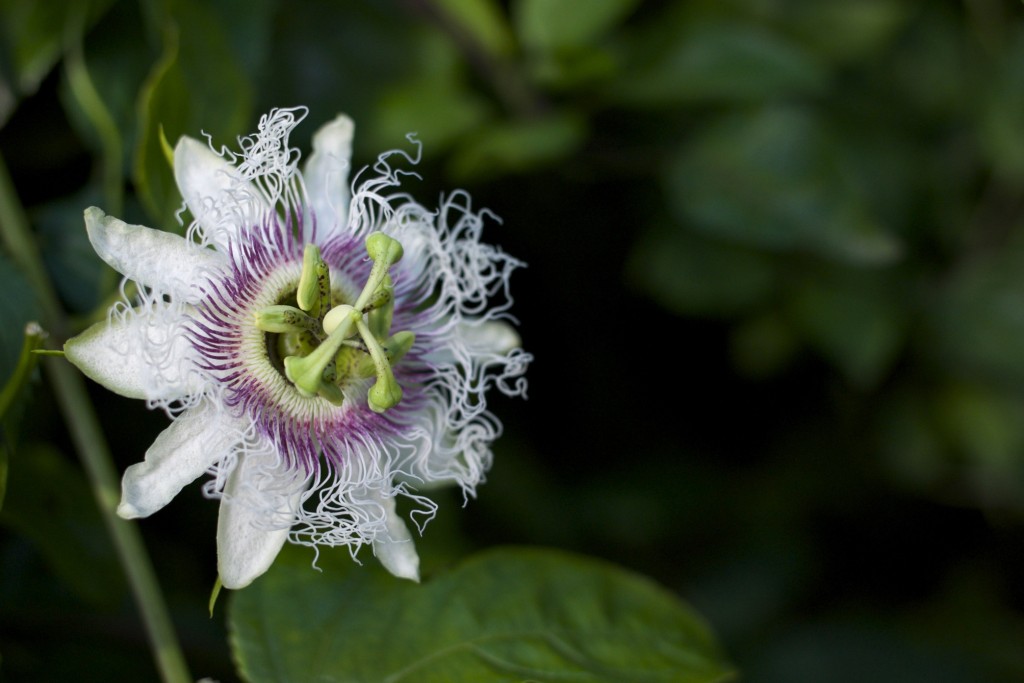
pixel 397 551
pixel 326 174
pixel 199 437
pixel 479 339
pixel 138 356
pixel 216 194
pixel 153 258
pixel 492 337
pixel 255 515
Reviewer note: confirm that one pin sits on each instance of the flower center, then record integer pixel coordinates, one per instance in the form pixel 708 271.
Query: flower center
pixel 324 345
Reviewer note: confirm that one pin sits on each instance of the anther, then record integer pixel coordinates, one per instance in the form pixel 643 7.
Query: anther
pixel 281 319
pixel 314 283
pixel 385 392
pixel 385 252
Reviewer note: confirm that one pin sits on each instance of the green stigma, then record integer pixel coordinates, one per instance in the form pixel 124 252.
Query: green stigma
pixel 323 346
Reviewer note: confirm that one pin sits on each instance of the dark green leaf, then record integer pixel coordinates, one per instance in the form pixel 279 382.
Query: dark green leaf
pixel 518 146
pixel 854 319
pixel 693 275
pixel 197 85
pixel 49 502
pixel 484 21
pixel 763 346
pixel 32 36
pixel 435 103
pixel 77 272
pixel 976 323
pixel 775 179
pixel 551 25
pixel 5 458
pixel 340 57
pixel 1002 123
pixel 720 62
pixel 506 615
pixel 844 30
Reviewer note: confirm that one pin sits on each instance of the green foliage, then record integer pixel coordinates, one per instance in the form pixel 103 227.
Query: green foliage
pixel 50 504
pixel 197 84
pixel 33 36
pixel 718 62
pixel 775 179
pixel 508 614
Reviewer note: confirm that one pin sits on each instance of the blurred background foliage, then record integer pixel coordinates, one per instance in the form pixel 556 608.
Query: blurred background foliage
pixel 776 263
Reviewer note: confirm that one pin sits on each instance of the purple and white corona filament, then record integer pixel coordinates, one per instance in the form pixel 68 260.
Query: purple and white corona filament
pixel 324 346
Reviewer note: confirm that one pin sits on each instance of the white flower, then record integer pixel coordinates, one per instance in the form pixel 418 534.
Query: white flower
pixel 323 347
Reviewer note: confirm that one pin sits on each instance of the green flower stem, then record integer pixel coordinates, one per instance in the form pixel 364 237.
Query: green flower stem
pixel 88 438
pixel 92 448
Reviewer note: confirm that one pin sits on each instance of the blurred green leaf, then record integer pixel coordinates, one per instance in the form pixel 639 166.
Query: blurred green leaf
pixel 1002 121
pixel 552 25
pixel 197 85
pixel 774 179
pixel 49 503
pixel 852 649
pixel 856 320
pixel 763 346
pixel 32 36
pixel 516 146
pixel 984 424
pixel 79 275
pixel 957 441
pixel 976 320
pixel 508 614
pixel 484 21
pixel 341 57
pixel 847 31
pixel 714 62
pixel 5 458
pixel 435 103
pixel 693 275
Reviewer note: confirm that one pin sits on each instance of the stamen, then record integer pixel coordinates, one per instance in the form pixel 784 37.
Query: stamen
pixel 385 392
pixel 314 292
pixel 281 319
pixel 307 374
pixel 394 349
pixel 315 371
pixel 381 308
pixel 385 252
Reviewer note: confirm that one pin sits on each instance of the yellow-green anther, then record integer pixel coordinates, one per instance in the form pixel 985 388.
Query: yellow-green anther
pixel 323 284
pixel 308 293
pixel 282 319
pixel 385 252
pixel 307 374
pixel 384 249
pixel 385 392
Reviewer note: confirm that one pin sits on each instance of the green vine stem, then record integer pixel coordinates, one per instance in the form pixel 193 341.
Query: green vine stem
pixel 88 438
